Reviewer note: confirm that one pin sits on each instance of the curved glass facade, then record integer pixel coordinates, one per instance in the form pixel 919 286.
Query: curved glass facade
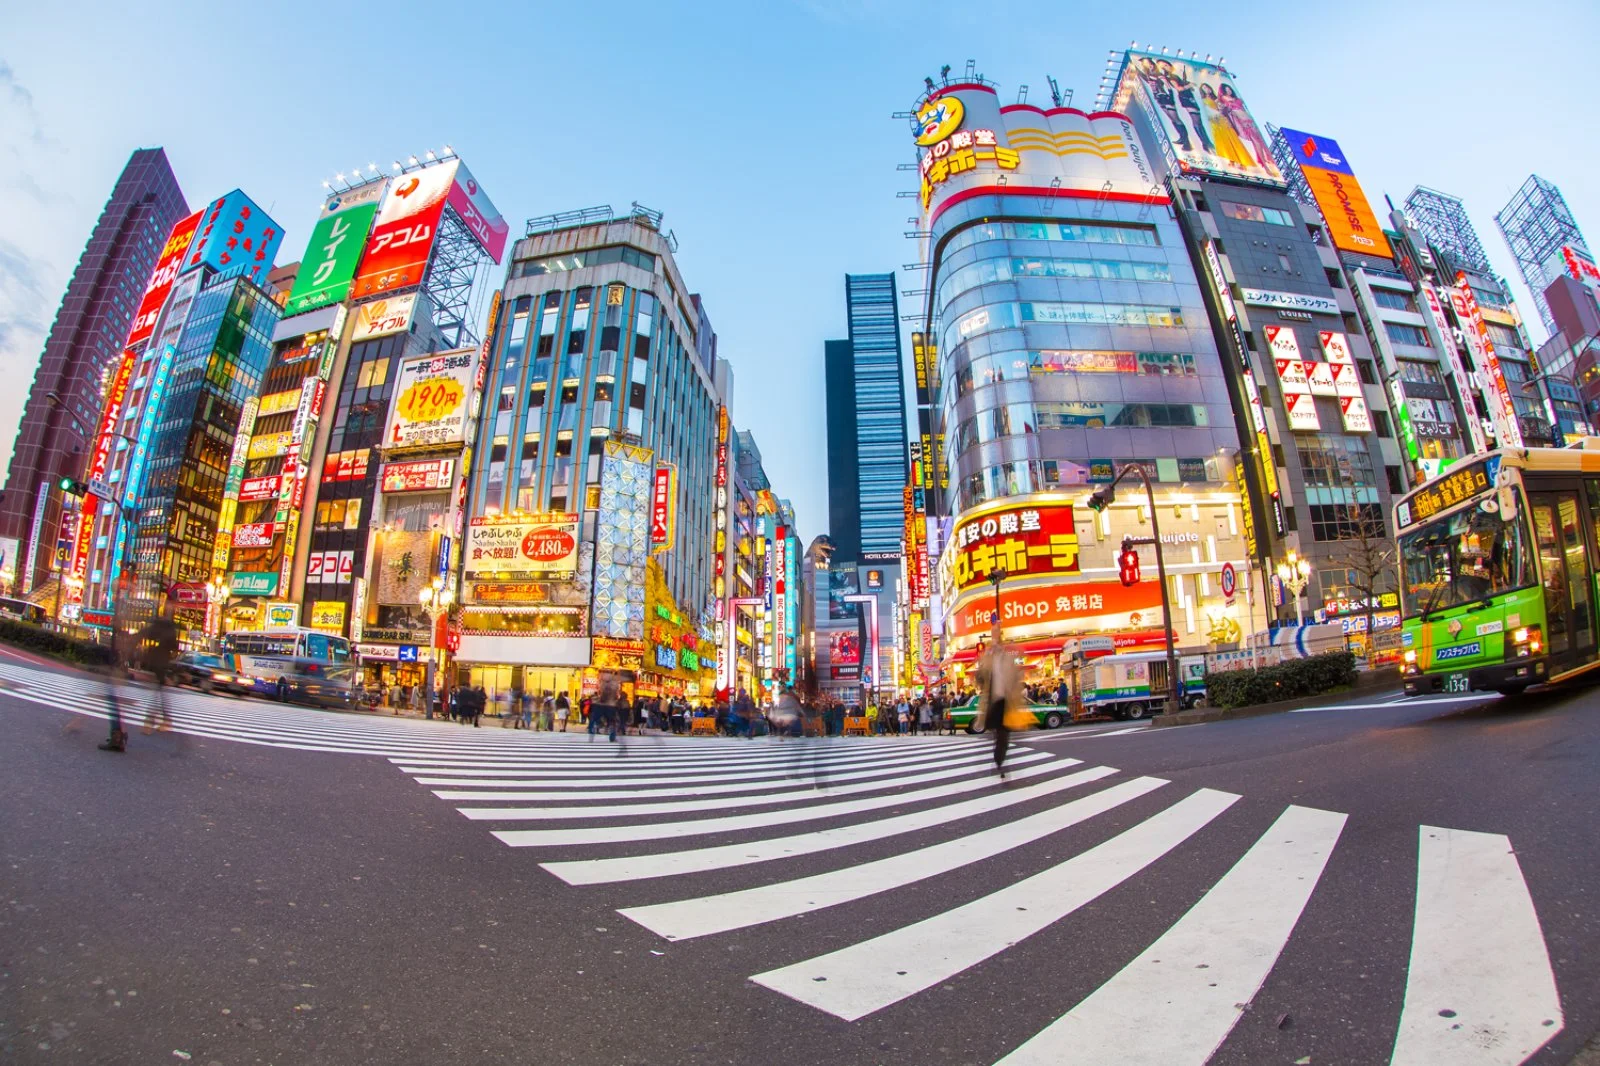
pixel 1072 343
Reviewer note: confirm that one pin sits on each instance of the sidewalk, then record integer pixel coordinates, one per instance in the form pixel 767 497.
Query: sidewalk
pixel 1369 683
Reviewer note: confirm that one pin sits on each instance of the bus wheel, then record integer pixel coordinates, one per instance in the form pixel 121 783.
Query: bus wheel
pixel 1053 720
pixel 1136 711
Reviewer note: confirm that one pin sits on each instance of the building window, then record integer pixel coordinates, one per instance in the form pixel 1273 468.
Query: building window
pixel 1334 461
pixel 1252 213
pixel 1394 301
pixel 1283 261
pixel 1401 333
pixel 1335 278
pixel 1097 415
pixel 1422 373
pixel 1344 521
pixel 1380 423
pixel 373 372
pixel 1368 375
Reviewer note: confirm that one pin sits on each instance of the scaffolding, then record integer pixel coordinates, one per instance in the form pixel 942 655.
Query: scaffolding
pixel 1443 220
pixel 454 269
pixel 1536 225
pixel 1288 161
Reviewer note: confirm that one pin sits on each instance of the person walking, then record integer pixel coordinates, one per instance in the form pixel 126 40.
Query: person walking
pixel 547 712
pixel 925 715
pixel 902 714
pixel 609 703
pixel 999 690
pixel 563 711
pixel 158 643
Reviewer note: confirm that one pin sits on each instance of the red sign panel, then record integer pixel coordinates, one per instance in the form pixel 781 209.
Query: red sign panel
pixel 419 476
pixel 168 267
pixel 1024 540
pixel 260 488
pixel 1066 606
pixel 661 501
pixel 109 417
pixel 254 534
pixel 403 234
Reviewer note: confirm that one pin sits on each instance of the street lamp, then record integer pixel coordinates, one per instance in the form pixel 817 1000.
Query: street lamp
pixel 996 578
pixel 1295 573
pixel 1102 498
pixel 436 599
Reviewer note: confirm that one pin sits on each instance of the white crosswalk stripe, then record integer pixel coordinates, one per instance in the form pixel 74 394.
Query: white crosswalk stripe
pixel 835 824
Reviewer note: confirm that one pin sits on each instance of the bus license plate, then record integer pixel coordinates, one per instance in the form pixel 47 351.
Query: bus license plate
pixel 1456 683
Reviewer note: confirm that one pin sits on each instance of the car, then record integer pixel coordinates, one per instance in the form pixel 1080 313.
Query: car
pixel 1046 715
pixel 209 672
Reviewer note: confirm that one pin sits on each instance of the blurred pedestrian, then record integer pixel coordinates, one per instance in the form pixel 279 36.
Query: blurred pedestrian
pixel 999 691
pixel 563 711
pixel 158 643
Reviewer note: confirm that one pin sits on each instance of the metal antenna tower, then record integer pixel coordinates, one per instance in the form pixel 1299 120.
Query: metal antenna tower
pixel 1289 166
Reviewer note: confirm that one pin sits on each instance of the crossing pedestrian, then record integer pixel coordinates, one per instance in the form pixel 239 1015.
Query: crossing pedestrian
pixel 999 690
pixel 158 643
pixel 547 712
pixel 925 715
pixel 563 711
pixel 902 714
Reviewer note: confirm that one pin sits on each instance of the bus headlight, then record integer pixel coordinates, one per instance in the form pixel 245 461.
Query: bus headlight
pixel 1410 655
pixel 1520 636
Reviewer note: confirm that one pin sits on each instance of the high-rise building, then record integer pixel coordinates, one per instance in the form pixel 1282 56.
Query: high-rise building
pixel 84 344
pixel 1306 399
pixel 866 423
pixel 1071 343
pixel 600 426
pixel 1544 239
pixel 157 474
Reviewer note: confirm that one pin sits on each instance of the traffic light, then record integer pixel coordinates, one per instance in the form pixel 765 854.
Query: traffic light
pixel 1102 498
pixel 1128 563
pixel 73 487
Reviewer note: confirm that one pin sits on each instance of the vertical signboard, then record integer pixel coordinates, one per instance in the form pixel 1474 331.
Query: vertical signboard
pixel 403 234
pixel 1295 386
pixel 1477 331
pixel 663 506
pixel 168 266
pixel 1463 383
pixel 473 206
pixel 154 398
pixel 334 251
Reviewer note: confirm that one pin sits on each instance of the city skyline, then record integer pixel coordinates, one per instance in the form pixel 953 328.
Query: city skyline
pixel 774 193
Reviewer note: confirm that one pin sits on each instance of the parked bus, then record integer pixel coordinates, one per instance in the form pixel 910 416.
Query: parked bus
pixel 1497 571
pixel 295 665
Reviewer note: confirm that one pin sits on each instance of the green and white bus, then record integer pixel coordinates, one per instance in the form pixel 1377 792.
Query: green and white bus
pixel 1497 571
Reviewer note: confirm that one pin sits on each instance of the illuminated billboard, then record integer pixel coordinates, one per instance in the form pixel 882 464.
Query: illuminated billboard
pixel 431 398
pixel 334 251
pixel 478 213
pixel 1029 537
pixel 522 547
pixel 235 234
pixel 1199 115
pixel 168 266
pixel 968 143
pixel 1351 223
pixel 402 238
pixel 383 317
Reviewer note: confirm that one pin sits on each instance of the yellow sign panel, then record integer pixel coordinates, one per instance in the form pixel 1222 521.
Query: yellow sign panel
pixel 328 614
pixel 270 444
pixel 938 119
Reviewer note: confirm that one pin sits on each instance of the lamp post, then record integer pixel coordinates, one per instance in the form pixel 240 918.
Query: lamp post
pixel 436 599
pixel 1295 573
pixel 997 578
pixel 1098 502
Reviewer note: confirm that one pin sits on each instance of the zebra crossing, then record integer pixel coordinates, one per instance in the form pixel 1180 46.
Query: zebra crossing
pixel 817 827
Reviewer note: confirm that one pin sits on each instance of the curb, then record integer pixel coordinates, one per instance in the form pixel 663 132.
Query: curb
pixel 1368 683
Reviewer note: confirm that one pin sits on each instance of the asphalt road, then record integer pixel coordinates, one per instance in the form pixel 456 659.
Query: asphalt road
pixel 1407 883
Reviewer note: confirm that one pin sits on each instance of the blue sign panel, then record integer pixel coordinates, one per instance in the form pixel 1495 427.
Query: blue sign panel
pixel 408 653
pixel 236 235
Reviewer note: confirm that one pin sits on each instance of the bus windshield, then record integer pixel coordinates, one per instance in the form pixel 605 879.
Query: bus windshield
pixel 1464 558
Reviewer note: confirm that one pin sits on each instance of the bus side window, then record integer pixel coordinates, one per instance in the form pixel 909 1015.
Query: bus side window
pixel 1592 490
pixel 338 650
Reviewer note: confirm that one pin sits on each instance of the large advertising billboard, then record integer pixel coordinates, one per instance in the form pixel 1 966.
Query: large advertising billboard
pixel 478 213
pixel 402 236
pixel 1201 118
pixel 334 251
pixel 1351 223
pixel 432 394
pixel 236 234
pixel 168 266
pixel 1025 538
pixel 529 547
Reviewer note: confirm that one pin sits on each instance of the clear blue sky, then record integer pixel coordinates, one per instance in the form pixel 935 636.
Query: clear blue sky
pixel 762 130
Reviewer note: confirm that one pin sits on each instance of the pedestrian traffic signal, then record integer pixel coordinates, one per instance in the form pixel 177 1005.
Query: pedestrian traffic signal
pixel 73 487
pixel 1128 563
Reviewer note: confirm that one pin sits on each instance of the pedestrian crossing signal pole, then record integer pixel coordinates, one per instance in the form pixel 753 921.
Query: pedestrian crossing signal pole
pixel 1128 567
